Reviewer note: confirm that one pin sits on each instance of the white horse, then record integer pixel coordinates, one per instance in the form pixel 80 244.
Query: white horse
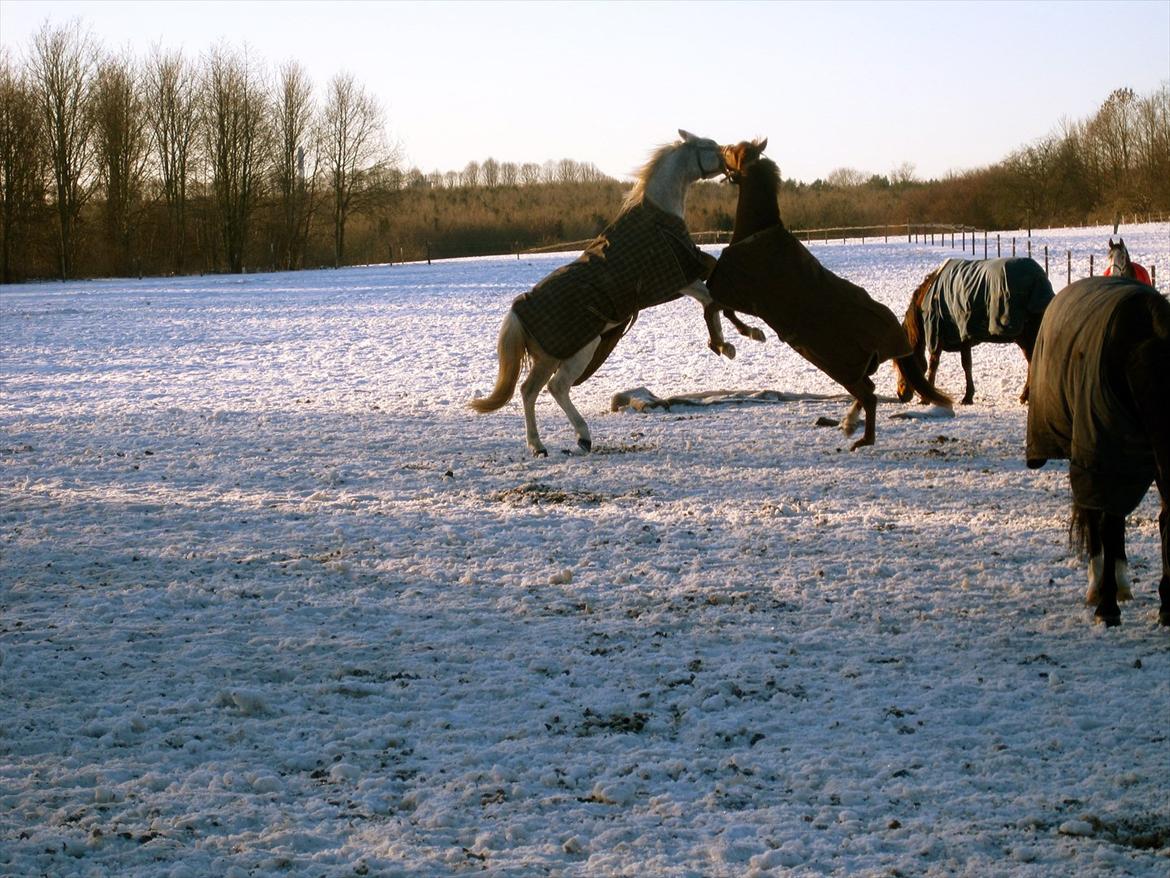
pixel 644 258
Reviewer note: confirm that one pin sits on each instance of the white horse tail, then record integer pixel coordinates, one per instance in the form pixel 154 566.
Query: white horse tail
pixel 511 349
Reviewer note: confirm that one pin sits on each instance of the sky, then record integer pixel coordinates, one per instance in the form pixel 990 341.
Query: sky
pixel 944 86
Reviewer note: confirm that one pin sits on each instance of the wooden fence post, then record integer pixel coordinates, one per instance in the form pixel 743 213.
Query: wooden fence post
pixel 998 250
pixel 428 252
pixel 1046 260
pixel 1091 264
pixel 984 243
pixel 1069 280
pixel 1013 248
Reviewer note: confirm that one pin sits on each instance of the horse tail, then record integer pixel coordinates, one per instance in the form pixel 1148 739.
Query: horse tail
pixel 914 375
pixel 511 349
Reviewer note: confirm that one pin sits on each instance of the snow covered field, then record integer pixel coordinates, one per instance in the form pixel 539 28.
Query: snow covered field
pixel 273 601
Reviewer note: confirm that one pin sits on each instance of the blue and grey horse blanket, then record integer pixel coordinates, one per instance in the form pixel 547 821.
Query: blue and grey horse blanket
pixel 982 300
pixel 644 258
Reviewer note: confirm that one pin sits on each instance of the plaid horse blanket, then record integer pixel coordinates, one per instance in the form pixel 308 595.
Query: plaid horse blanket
pixel 832 323
pixel 643 258
pixel 1073 414
pixel 982 300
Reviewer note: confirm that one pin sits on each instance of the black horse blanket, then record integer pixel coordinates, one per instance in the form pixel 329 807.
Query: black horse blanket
pixel 1073 413
pixel 982 300
pixel 644 258
pixel 833 324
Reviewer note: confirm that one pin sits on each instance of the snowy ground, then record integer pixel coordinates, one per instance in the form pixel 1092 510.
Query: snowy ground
pixel 274 602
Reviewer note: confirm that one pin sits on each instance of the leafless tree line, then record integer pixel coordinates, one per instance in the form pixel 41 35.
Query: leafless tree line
pixel 215 156
pixel 492 174
pixel 1117 159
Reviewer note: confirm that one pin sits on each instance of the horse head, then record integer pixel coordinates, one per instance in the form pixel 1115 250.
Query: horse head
pixel 708 154
pixel 1117 263
pixel 741 156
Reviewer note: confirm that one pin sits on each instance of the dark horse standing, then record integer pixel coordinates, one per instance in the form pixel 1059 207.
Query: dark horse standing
pixel 833 324
pixel 1101 400
pixel 965 302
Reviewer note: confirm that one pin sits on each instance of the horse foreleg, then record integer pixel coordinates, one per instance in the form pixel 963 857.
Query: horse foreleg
pixel 965 359
pixel 752 332
pixel 542 370
pixel 715 340
pixel 932 367
pixel 562 382
pixel 698 291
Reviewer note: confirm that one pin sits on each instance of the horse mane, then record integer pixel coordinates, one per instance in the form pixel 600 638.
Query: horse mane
pixel 646 172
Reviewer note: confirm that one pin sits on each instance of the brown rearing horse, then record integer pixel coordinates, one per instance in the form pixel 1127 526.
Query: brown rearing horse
pixel 835 325
pixel 959 296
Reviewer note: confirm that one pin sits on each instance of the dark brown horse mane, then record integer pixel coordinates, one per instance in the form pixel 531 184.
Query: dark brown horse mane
pixel 768 172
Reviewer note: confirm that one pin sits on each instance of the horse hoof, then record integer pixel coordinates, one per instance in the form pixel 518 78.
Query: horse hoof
pixel 757 335
pixel 860 443
pixel 967 401
pixel 1164 618
pixel 729 350
pixel 540 452
pixel 586 445
pixel 1108 618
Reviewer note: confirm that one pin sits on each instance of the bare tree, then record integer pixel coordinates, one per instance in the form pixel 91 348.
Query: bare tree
pixel 354 146
pixel 1153 143
pixel 1115 121
pixel 903 174
pixel 121 148
pixel 172 114
pixel 530 173
pixel 234 104
pixel 846 178
pixel 22 164
pixel 297 159
pixel 471 175
pixel 62 65
pixel 490 171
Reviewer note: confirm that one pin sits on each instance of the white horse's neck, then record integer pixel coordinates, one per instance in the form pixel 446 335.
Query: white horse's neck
pixel 667 186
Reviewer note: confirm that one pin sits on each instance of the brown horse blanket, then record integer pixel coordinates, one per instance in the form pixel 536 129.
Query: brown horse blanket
pixel 833 324
pixel 1073 413
pixel 644 258
pixel 982 300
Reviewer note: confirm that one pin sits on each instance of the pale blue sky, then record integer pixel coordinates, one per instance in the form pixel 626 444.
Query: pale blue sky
pixel 945 86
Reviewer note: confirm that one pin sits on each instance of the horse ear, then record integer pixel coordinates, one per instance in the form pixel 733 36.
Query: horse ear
pixel 761 145
pixel 686 136
pixel 1110 240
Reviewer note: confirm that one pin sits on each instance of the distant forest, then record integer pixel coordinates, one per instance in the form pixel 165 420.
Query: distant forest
pixel 112 165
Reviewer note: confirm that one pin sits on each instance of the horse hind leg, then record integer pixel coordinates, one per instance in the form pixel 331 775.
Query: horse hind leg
pixel 1108 567
pixel 542 370
pixel 969 389
pixel 560 385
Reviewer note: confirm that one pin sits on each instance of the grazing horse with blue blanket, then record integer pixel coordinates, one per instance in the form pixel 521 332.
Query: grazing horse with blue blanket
pixel 570 321
pixel 1101 400
pixel 965 302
